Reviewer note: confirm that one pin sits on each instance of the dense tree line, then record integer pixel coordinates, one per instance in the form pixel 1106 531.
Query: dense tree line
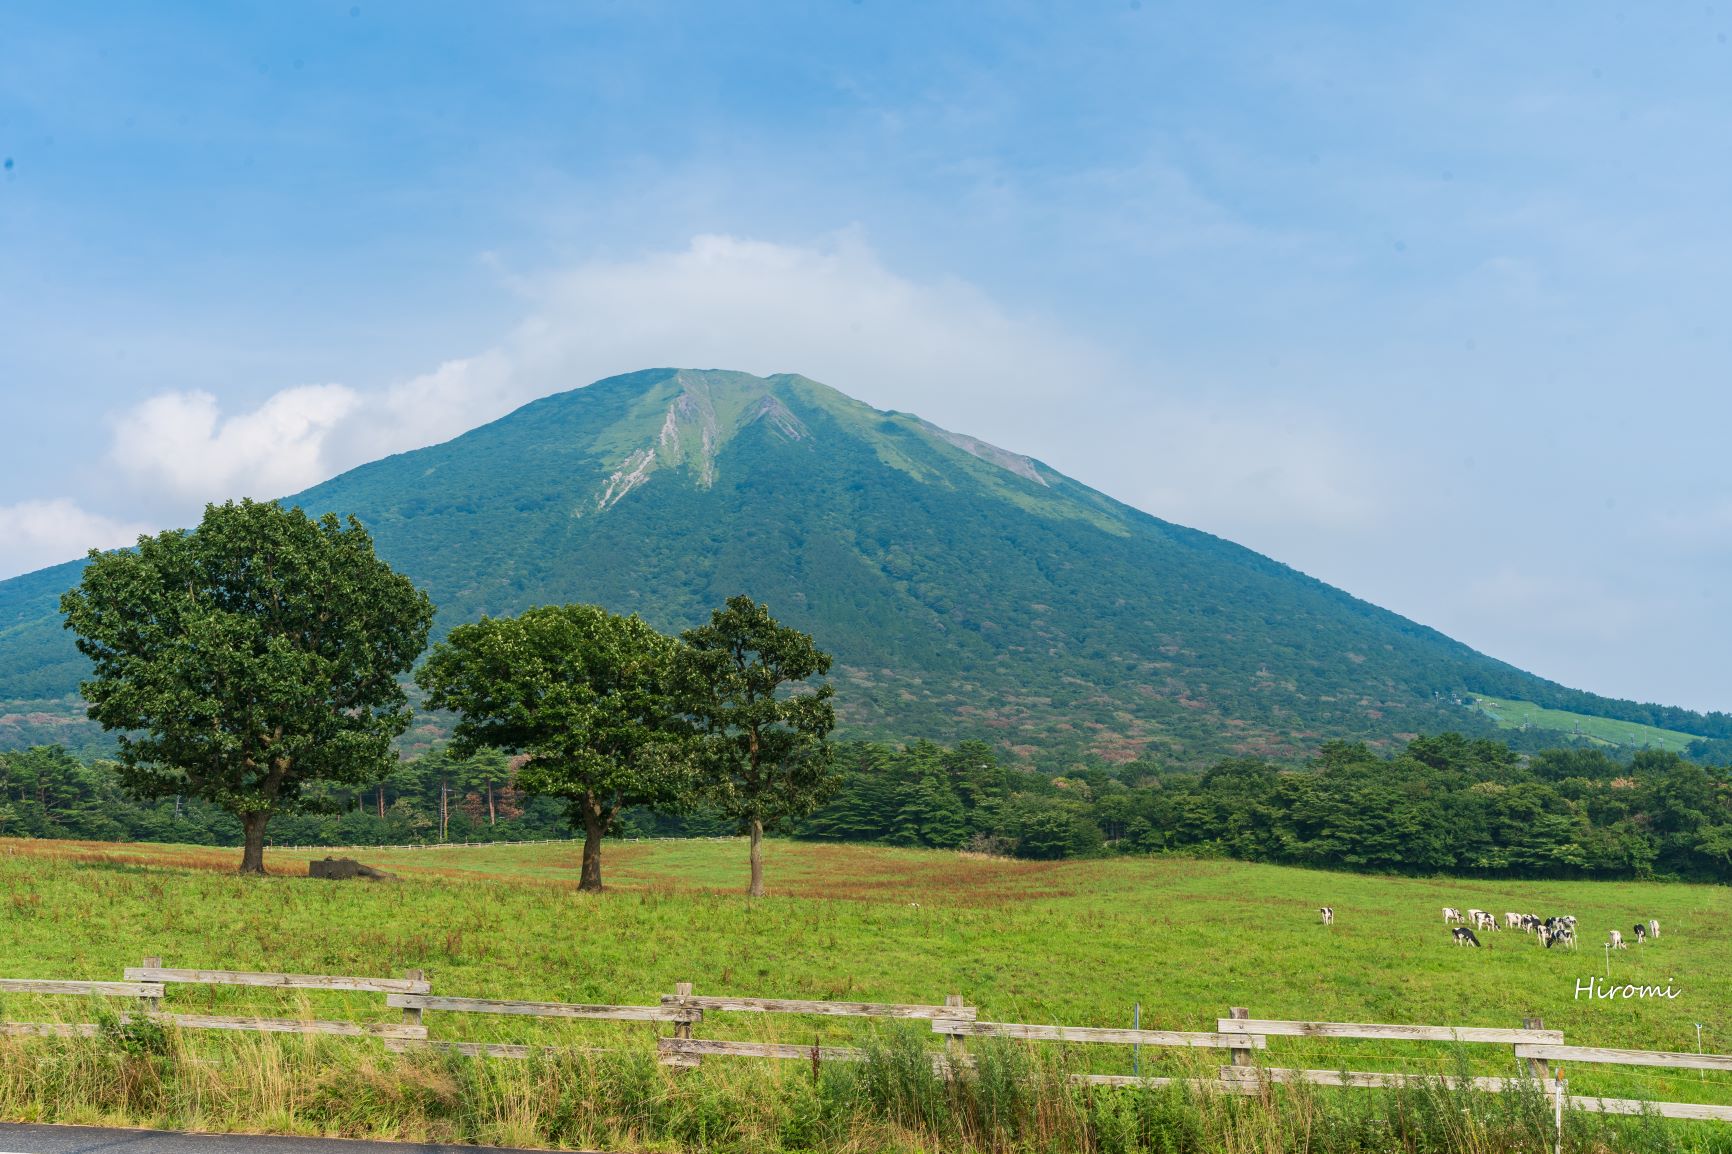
pixel 1443 805
pixel 47 792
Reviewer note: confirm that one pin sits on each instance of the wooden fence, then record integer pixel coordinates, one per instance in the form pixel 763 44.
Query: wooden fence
pixel 1243 1039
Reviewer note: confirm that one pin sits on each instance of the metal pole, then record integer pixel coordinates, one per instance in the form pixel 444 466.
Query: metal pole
pixel 1559 1085
pixel 1137 1048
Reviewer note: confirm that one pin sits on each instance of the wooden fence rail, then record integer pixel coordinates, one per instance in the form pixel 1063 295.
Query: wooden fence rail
pixel 546 1009
pixel 1032 1033
pixel 278 981
pixel 1244 1037
pixel 955 1012
pixel 1476 1034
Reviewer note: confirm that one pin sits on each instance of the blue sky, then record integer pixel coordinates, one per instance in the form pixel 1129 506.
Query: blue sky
pixel 1427 301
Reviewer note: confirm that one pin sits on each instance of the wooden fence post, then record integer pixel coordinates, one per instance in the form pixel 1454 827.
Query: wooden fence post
pixel 957 1051
pixel 683 1029
pixel 1538 1067
pixel 1243 1055
pixel 151 1005
pixel 412 1015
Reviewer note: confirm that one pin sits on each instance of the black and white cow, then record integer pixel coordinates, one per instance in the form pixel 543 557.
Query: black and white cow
pixel 1641 932
pixel 1616 941
pixel 1654 928
pixel 1464 937
pixel 1328 914
pixel 1451 916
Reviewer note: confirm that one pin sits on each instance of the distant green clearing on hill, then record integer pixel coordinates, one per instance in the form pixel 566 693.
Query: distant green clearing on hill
pixel 1626 734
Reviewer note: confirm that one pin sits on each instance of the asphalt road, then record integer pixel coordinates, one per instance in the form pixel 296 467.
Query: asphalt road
pixel 18 1138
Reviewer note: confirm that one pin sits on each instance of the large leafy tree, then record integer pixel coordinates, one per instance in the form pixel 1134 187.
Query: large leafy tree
pixel 765 751
pixel 586 694
pixel 248 659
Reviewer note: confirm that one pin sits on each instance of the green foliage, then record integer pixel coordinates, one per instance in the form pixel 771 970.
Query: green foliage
pixel 138 1035
pixel 764 748
pixel 1444 805
pixel 586 694
pixel 248 659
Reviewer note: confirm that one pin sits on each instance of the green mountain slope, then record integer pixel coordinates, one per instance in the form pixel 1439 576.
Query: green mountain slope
pixel 966 591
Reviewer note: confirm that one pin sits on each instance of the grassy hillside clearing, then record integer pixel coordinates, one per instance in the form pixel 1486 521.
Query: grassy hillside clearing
pixel 1075 943
pixel 1620 734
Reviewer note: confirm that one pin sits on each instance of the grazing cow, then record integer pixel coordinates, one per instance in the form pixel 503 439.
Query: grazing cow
pixel 1641 932
pixel 1482 920
pixel 1616 941
pixel 1654 928
pixel 1464 937
pixel 1451 916
pixel 1511 921
pixel 1328 913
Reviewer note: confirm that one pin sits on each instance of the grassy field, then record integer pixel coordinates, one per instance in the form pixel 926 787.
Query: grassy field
pixel 1623 734
pixel 1076 943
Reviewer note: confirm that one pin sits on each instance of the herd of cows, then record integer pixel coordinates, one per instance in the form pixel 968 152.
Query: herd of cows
pixel 1558 931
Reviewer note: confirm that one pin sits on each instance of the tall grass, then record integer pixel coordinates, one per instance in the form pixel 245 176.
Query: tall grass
pixel 1013 1098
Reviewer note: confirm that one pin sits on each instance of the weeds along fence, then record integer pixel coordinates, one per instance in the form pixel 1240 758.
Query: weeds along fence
pixel 1244 1042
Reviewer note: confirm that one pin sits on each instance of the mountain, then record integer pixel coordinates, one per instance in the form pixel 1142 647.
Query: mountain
pixel 965 590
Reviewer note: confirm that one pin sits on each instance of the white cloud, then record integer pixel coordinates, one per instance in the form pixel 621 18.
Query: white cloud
pixel 1249 472
pixel 1523 603
pixel 832 311
pixel 181 443
pixel 34 534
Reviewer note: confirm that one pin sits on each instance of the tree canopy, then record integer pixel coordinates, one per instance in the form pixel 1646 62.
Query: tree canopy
pixel 765 752
pixel 586 694
pixel 248 658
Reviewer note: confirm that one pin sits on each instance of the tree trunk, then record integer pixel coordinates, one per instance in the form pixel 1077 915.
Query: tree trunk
pixel 381 801
pixel 593 827
pixel 253 853
pixel 492 813
pixel 757 890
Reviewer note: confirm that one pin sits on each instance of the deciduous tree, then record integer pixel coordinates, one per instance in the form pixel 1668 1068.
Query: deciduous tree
pixel 586 694
pixel 765 752
pixel 249 658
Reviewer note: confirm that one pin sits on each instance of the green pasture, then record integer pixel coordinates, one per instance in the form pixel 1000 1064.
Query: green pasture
pixel 1075 943
pixel 1623 734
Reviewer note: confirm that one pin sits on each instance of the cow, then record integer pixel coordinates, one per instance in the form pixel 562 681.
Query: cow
pixel 1641 932
pixel 1616 941
pixel 1451 916
pixel 1511 921
pixel 1654 928
pixel 1464 937
pixel 1482 920
pixel 1328 913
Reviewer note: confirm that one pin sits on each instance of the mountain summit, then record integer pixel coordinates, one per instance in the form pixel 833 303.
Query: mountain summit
pixel 965 590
